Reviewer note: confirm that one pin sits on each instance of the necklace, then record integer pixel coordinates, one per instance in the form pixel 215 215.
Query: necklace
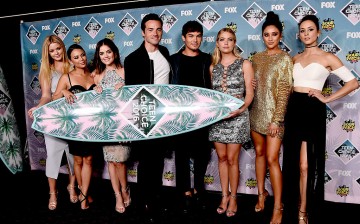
pixel 311 46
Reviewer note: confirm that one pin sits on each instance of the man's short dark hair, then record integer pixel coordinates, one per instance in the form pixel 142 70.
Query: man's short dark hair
pixel 192 26
pixel 150 16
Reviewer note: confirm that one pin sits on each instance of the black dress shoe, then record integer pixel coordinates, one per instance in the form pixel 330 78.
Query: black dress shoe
pixel 150 220
pixel 187 204
pixel 200 201
pixel 149 214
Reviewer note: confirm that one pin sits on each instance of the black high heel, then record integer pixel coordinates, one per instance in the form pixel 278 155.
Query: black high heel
pixel 303 218
pixel 84 198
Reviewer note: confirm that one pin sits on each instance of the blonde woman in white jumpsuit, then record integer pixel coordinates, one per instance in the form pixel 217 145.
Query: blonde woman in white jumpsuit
pixel 54 63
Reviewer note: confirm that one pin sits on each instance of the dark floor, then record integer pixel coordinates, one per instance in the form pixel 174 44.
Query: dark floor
pixel 25 196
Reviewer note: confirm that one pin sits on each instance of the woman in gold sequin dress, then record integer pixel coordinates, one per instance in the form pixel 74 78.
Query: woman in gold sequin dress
pixel 232 75
pixel 273 72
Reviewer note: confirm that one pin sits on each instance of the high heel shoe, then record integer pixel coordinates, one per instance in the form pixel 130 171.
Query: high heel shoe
pixel 231 213
pixel 82 198
pixel 89 198
pixel 278 210
pixel 303 217
pixel 221 210
pixel 127 191
pixel 120 209
pixel 73 197
pixel 264 195
pixel 52 203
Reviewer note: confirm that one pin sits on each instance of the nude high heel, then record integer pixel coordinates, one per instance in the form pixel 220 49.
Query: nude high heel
pixel 52 203
pixel 73 197
pixel 264 195
pixel 120 209
pixel 280 211
pixel 231 213
pixel 127 191
pixel 221 210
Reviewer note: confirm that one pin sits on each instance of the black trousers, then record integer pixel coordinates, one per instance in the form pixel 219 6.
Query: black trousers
pixel 193 145
pixel 150 155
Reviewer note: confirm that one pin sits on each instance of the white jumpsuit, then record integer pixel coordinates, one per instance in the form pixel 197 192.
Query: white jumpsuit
pixel 55 147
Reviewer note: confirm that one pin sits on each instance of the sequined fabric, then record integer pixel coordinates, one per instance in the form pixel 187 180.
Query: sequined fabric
pixel 121 152
pixel 237 129
pixel 274 83
pixel 116 153
pixel 110 79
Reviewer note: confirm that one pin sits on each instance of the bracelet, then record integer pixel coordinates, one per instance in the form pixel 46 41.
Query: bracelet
pixel 275 123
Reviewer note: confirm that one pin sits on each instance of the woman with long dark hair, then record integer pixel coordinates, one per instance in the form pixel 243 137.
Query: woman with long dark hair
pixel 305 126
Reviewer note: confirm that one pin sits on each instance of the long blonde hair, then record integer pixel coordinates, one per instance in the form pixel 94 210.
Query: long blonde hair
pixel 216 56
pixel 47 62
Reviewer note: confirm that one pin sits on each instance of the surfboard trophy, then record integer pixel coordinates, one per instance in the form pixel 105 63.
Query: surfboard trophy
pixel 133 113
pixel 10 145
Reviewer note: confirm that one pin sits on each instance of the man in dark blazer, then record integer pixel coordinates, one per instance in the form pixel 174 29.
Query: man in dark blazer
pixel 149 65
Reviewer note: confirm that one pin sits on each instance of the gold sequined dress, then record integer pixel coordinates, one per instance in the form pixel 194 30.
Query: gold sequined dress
pixel 274 83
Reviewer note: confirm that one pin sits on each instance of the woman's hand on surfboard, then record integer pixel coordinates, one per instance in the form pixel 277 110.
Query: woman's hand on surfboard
pixel 118 85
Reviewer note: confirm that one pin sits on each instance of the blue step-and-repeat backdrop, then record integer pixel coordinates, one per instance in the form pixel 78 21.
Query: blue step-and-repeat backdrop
pixel 340 34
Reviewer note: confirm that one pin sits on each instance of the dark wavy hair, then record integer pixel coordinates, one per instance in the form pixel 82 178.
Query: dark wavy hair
pixel 73 47
pixel 98 65
pixel 272 19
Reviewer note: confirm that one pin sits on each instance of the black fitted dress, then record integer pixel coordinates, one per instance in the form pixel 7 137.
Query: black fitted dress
pixel 79 148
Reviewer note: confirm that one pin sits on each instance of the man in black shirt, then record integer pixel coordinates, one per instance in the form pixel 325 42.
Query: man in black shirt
pixel 191 67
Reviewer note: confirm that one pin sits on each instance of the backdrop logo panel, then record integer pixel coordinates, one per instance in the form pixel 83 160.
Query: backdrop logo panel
pixel 168 19
pixel 330 115
pixel 347 151
pixel 77 39
pixel 33 34
pixel 93 27
pixel 327 177
pixel 348 125
pixel 351 12
pixel 128 24
pixel 254 15
pixel 209 17
pixel 328 24
pixel 339 35
pixel 61 30
pixel 329 45
pixel 353 56
pixel 302 9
